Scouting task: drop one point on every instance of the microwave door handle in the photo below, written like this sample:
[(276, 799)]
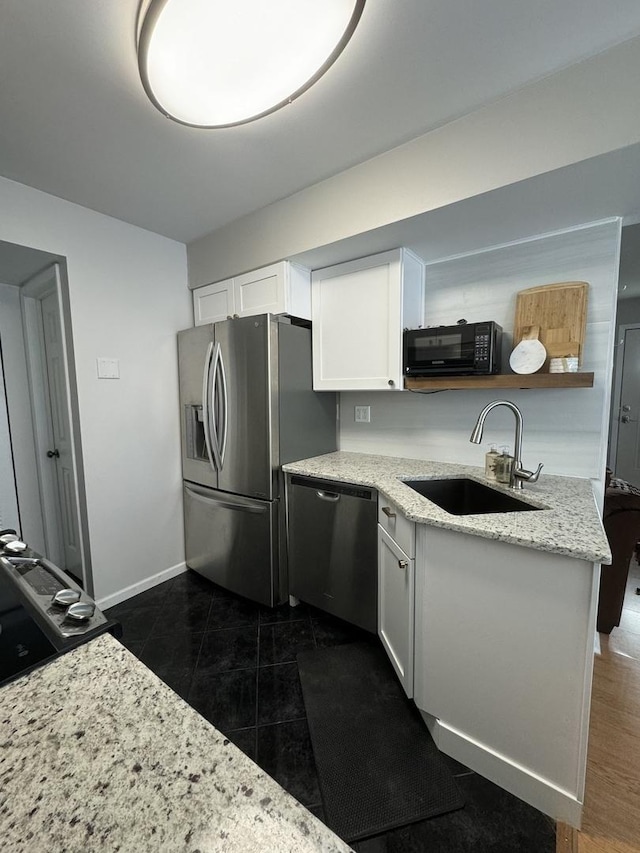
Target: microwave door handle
[(213, 416), (206, 404), (225, 407)]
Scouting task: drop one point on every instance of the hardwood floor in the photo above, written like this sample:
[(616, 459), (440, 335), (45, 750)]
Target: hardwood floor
[(611, 820)]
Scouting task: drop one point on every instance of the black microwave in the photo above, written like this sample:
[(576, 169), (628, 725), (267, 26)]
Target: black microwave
[(468, 348)]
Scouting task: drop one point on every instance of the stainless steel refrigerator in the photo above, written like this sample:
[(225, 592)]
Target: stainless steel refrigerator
[(247, 408)]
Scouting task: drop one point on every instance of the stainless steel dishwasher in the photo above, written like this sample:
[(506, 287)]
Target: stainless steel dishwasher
[(332, 548)]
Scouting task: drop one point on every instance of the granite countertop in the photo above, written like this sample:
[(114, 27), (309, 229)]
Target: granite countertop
[(98, 754), (568, 523)]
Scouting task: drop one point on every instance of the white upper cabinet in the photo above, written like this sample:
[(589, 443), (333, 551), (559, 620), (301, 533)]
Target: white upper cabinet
[(213, 302), (359, 310), (282, 288)]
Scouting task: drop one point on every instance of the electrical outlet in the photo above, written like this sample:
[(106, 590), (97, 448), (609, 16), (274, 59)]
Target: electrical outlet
[(362, 414), (108, 368)]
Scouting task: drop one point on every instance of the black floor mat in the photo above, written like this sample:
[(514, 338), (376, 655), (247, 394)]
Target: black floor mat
[(377, 764)]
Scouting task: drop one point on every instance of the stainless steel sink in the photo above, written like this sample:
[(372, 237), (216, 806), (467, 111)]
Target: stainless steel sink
[(468, 497)]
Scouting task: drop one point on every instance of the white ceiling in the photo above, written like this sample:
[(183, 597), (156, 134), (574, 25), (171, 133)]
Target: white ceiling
[(76, 123)]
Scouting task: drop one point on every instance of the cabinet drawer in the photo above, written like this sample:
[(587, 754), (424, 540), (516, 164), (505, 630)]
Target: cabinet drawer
[(403, 531)]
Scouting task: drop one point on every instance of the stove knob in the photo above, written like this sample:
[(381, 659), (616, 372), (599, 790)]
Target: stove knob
[(65, 597), (15, 546), (8, 536), (81, 611)]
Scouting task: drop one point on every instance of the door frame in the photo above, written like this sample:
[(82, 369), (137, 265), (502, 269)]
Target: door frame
[(53, 280), (617, 391)]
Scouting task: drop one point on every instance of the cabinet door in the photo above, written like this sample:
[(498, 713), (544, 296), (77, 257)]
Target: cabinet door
[(261, 291), (396, 607), (282, 288), (213, 302), (359, 309)]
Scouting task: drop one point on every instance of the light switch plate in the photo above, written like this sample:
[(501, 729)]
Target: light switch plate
[(362, 414), (108, 368)]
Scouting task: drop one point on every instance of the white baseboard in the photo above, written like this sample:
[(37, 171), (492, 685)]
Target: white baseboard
[(540, 793), (141, 586)]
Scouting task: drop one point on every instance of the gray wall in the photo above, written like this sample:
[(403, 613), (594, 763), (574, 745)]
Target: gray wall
[(128, 297), (19, 410), (628, 310), (586, 113)]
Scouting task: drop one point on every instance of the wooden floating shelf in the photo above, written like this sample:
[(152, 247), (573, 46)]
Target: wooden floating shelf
[(506, 380)]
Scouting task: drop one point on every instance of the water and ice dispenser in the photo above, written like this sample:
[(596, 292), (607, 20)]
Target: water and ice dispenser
[(196, 445)]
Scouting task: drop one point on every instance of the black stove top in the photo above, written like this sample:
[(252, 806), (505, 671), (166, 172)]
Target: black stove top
[(33, 627), (23, 645)]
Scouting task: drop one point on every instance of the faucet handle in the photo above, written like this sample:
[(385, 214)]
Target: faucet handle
[(528, 476)]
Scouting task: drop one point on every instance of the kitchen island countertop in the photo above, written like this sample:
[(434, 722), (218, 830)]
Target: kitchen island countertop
[(99, 754), (568, 522)]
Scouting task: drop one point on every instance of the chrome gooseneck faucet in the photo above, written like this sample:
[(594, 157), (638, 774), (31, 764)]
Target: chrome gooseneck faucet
[(518, 473)]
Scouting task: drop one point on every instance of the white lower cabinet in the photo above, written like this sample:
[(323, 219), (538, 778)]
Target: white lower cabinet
[(504, 655), (494, 643), (396, 578), (282, 288)]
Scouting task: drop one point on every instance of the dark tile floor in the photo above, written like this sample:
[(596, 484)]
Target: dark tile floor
[(235, 663)]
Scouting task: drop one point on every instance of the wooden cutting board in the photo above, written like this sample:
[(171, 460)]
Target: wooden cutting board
[(560, 312)]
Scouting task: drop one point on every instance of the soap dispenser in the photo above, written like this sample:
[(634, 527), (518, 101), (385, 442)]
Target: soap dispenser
[(504, 464), (490, 462)]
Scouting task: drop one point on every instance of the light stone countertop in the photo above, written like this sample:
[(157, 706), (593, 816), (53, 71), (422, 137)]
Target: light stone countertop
[(96, 753), (569, 524)]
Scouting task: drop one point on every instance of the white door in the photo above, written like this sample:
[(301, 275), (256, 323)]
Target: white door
[(60, 455), (628, 444)]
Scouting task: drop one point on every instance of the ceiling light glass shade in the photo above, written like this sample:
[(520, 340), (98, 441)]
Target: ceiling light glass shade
[(218, 63)]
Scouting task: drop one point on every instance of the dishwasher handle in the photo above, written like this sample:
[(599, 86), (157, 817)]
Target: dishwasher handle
[(332, 489), (328, 496)]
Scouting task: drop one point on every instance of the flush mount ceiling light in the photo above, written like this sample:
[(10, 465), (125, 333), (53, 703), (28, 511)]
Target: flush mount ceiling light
[(219, 63)]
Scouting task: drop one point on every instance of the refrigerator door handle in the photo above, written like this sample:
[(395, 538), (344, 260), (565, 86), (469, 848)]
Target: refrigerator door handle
[(204, 498), (225, 406), (207, 399), (215, 427)]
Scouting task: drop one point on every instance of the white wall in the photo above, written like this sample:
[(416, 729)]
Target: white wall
[(564, 429), (19, 406), (578, 113), (8, 494), (128, 296)]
